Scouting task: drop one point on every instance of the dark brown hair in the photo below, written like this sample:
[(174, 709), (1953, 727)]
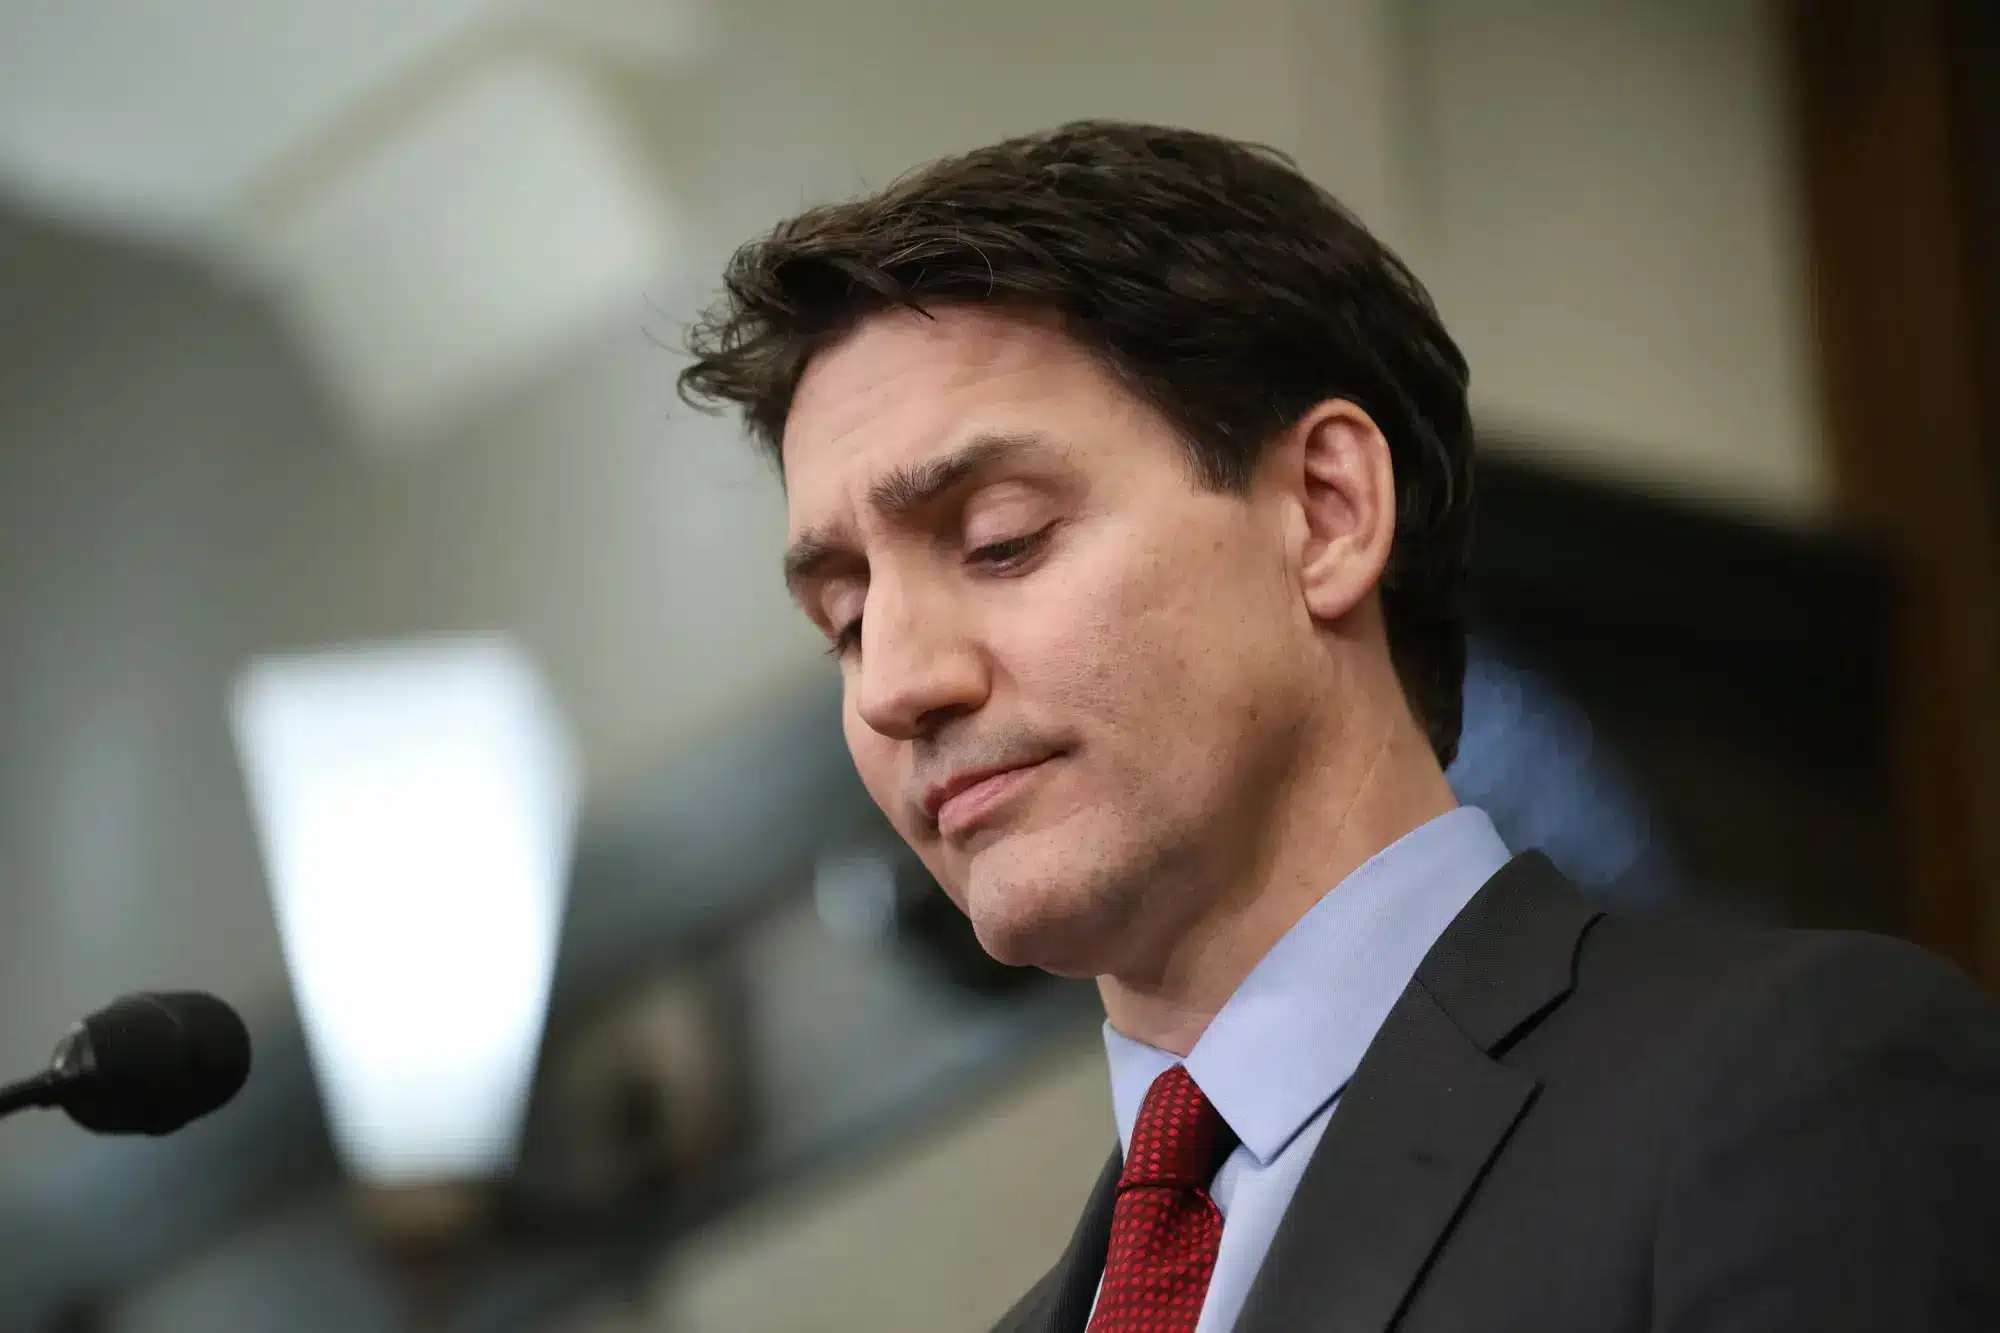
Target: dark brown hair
[(1209, 275)]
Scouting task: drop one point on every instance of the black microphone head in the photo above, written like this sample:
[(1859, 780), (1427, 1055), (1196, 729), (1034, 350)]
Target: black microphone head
[(151, 1062)]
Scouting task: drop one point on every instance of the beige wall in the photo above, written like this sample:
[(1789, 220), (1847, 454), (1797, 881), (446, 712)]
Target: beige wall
[(1602, 196)]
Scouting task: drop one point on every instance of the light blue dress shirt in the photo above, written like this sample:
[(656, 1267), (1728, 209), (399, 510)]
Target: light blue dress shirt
[(1275, 1059)]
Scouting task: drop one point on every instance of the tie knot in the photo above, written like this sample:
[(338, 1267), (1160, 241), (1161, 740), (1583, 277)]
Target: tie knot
[(1180, 1138)]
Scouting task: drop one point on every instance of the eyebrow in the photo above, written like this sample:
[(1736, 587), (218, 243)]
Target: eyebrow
[(906, 490)]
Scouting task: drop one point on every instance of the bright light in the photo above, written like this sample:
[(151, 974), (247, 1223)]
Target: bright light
[(415, 803)]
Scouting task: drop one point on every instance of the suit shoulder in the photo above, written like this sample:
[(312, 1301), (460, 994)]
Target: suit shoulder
[(1744, 963), (1826, 1141), (1877, 973), (1719, 989)]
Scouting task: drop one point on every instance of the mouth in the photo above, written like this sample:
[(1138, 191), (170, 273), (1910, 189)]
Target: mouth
[(967, 800)]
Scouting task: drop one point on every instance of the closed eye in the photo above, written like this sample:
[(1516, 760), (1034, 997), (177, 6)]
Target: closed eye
[(845, 639), (1004, 555), (1000, 557)]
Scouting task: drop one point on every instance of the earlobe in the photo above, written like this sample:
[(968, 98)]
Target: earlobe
[(1348, 496)]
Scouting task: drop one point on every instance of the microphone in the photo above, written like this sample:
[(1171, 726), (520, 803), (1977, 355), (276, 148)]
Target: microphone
[(145, 1064)]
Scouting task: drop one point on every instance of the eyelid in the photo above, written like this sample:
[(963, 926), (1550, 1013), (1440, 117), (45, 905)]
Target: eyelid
[(837, 615), (1008, 505), (844, 637), (1008, 549)]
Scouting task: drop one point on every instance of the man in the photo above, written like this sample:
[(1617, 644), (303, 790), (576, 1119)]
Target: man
[(1129, 479)]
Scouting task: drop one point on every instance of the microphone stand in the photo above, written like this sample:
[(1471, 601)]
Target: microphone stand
[(74, 1061), (44, 1089)]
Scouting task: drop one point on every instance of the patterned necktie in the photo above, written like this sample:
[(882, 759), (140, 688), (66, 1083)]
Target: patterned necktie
[(1165, 1229)]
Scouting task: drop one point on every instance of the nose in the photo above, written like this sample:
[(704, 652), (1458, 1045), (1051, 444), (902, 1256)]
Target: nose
[(918, 667)]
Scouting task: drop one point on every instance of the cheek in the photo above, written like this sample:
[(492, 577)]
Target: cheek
[(1172, 648), (875, 760), (1114, 643)]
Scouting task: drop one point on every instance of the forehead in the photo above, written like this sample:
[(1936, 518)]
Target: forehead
[(903, 387)]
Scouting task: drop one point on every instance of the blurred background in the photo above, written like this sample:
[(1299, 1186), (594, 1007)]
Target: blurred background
[(383, 648)]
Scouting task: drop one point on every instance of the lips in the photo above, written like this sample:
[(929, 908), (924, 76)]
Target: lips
[(967, 795), (938, 793)]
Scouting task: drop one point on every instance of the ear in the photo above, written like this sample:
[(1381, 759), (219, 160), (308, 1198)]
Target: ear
[(1346, 490)]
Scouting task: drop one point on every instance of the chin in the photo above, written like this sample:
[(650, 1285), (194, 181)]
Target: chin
[(1030, 913)]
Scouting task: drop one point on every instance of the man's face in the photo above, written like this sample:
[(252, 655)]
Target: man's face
[(1074, 677)]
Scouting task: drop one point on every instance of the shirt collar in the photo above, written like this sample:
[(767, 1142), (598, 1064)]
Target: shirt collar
[(1289, 1039)]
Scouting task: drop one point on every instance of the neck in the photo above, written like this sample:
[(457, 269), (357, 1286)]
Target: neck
[(1335, 813)]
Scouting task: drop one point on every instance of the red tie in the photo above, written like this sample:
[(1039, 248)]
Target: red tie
[(1165, 1228)]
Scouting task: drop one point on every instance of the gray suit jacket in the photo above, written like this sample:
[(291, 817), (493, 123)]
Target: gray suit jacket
[(1574, 1123)]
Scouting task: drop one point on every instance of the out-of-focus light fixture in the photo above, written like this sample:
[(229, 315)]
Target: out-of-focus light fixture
[(442, 197), (512, 212), (415, 804)]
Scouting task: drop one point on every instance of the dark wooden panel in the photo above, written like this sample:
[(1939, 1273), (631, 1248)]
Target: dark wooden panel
[(1895, 116)]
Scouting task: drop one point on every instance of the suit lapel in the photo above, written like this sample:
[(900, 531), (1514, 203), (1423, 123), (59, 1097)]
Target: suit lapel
[(1061, 1301), (1426, 1111)]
